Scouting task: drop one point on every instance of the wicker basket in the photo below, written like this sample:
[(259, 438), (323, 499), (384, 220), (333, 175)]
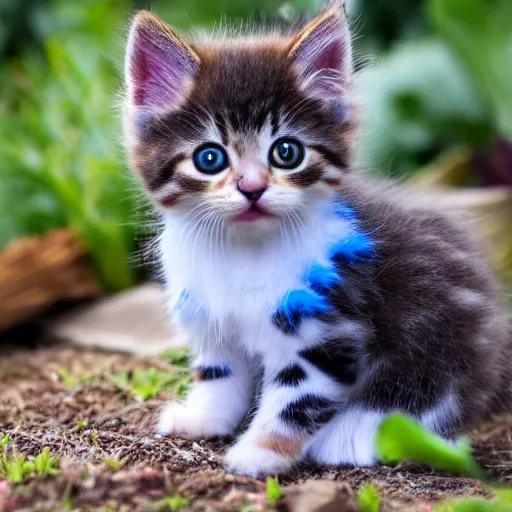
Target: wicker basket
[(38, 272)]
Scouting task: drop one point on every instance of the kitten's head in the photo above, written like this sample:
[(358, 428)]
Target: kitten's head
[(251, 131)]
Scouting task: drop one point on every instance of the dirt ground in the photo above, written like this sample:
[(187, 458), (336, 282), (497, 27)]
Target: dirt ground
[(89, 425)]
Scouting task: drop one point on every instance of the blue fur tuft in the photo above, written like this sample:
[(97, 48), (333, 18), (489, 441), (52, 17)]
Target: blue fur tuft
[(344, 211), (322, 277), (354, 247), (302, 303)]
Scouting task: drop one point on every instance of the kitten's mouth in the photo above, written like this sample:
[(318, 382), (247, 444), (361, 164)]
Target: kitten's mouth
[(253, 213)]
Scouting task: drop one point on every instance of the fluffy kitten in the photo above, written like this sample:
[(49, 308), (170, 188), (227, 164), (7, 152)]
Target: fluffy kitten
[(280, 258)]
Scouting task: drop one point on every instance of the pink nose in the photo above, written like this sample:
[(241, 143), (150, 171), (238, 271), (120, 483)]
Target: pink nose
[(253, 182)]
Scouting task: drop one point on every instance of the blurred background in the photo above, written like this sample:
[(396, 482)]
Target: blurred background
[(435, 77)]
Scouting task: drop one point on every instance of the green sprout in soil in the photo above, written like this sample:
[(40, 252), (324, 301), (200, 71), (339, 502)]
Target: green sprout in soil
[(176, 356), (94, 439), (274, 491), (46, 464), (70, 381), (16, 467), (368, 498), (5, 440), (80, 425), (174, 503), (143, 384), (114, 464)]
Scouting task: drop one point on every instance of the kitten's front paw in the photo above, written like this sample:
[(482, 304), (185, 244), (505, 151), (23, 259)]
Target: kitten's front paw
[(251, 460), (179, 420)]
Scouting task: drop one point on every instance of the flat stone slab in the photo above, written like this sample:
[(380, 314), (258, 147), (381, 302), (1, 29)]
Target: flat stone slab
[(134, 321)]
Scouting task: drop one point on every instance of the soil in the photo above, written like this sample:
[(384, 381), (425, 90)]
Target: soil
[(90, 425)]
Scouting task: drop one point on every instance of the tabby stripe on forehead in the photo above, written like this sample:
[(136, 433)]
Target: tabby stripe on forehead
[(274, 121), (338, 160), (307, 177), (157, 176), (220, 123), (190, 185)]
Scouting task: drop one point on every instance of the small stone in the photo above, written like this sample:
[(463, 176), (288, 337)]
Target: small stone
[(320, 496)]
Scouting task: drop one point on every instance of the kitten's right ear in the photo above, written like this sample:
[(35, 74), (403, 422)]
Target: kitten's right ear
[(159, 64), (322, 51)]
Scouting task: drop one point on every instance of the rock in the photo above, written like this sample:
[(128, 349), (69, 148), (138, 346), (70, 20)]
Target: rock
[(134, 322), (320, 496)]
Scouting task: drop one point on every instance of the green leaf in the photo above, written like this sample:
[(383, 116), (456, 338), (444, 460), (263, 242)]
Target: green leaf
[(473, 505), (175, 503), (400, 438), (5, 440), (176, 356), (274, 490), (479, 31), (503, 494), (368, 498)]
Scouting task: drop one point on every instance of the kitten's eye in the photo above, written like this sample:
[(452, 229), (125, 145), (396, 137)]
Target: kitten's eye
[(210, 158), (286, 154)]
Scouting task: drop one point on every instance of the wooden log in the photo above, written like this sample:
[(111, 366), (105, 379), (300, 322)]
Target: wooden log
[(40, 271)]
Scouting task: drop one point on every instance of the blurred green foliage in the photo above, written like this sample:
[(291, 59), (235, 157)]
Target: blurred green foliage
[(441, 79), (60, 160), (448, 87)]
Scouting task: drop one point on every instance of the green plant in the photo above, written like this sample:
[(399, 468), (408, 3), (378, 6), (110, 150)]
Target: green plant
[(46, 464), (176, 356), (143, 384), (71, 381), (400, 438), (114, 464), (59, 148), (274, 490), (479, 33), (174, 503), (368, 498), (16, 467), (5, 440)]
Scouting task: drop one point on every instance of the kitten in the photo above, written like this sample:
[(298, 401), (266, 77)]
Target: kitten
[(280, 257)]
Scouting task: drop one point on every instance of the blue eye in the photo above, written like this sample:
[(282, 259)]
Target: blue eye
[(210, 158), (286, 154)]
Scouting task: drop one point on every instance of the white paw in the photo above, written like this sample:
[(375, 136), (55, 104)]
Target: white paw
[(179, 420), (246, 458)]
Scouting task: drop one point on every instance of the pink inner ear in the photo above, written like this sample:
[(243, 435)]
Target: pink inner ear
[(159, 68), (324, 58)]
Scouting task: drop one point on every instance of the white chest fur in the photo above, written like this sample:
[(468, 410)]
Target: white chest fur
[(238, 287)]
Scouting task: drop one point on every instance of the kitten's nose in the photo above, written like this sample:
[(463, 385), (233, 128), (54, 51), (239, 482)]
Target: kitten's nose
[(254, 181), (254, 195)]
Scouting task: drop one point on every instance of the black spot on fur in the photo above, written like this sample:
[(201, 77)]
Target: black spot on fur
[(213, 372), (309, 412), (285, 324), (291, 375), (334, 359)]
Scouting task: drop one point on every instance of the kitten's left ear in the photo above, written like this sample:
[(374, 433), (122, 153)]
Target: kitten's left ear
[(322, 52)]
